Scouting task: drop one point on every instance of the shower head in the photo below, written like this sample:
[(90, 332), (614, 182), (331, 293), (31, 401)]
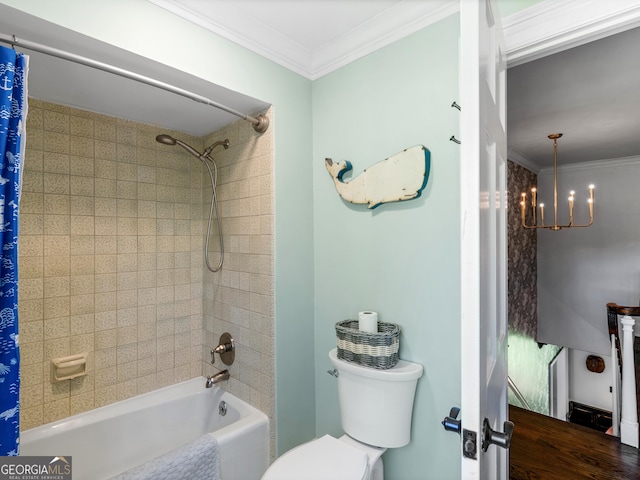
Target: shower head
[(166, 139), (203, 157), (169, 140), (224, 143)]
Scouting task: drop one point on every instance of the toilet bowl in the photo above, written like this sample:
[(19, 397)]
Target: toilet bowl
[(329, 458), (375, 411)]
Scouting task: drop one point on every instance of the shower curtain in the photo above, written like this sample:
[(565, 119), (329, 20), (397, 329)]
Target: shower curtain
[(13, 114)]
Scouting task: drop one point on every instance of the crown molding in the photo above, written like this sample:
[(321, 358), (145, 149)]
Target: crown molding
[(523, 161), (246, 32), (545, 28), (595, 164), (556, 25), (396, 22), (393, 24)]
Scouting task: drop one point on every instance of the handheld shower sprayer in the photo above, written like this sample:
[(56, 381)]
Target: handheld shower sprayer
[(203, 157), (169, 140), (166, 139)]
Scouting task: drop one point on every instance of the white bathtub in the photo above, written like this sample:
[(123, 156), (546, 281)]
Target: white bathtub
[(111, 439)]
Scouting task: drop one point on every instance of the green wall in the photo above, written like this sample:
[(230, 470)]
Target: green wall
[(401, 259), (142, 28)]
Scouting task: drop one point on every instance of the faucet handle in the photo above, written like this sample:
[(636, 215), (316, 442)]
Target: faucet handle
[(226, 349)]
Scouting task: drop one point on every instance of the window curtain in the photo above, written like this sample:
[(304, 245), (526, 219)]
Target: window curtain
[(13, 115)]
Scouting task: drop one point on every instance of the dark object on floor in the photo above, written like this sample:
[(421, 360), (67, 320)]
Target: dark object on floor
[(589, 416)]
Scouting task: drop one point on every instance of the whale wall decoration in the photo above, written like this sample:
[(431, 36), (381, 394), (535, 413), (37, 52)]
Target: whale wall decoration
[(400, 177)]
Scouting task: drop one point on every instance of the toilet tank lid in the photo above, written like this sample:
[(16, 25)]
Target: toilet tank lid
[(401, 372)]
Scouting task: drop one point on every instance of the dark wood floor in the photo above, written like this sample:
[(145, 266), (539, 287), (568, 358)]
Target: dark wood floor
[(543, 448)]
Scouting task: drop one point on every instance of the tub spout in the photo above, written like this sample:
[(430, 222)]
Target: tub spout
[(217, 378)]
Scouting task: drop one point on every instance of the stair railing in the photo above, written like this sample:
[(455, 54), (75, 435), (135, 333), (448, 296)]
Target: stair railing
[(626, 360), (516, 391)]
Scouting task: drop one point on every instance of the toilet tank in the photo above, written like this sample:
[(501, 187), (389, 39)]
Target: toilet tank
[(376, 405)]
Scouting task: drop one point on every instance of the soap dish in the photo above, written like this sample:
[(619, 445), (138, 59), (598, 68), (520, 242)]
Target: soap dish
[(66, 368)]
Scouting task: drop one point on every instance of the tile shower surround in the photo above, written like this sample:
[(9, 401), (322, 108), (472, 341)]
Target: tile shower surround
[(111, 261)]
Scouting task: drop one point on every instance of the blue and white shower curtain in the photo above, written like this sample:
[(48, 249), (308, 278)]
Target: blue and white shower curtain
[(13, 115)]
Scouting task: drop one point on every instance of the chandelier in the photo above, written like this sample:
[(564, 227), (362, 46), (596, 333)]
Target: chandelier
[(555, 226)]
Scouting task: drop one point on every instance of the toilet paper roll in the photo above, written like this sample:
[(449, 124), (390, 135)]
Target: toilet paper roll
[(368, 322)]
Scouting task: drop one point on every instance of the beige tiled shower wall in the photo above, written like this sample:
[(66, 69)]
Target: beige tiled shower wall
[(111, 261), (111, 238), (240, 298)]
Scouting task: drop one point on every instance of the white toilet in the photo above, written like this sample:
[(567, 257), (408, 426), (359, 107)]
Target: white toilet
[(375, 409)]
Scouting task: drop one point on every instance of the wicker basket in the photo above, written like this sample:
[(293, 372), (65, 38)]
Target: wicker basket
[(376, 350)]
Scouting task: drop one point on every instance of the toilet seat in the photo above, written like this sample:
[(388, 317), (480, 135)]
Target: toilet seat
[(326, 458)]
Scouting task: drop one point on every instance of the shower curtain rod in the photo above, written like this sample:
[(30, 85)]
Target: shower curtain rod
[(260, 123)]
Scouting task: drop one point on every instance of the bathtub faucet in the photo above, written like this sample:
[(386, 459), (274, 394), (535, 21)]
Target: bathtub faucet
[(217, 378)]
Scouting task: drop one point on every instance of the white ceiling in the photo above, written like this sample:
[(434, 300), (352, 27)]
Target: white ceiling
[(590, 93)]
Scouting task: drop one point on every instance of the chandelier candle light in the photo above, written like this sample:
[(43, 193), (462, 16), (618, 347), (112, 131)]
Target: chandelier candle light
[(555, 226)]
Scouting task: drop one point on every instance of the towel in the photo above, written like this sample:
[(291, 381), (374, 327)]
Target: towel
[(198, 460)]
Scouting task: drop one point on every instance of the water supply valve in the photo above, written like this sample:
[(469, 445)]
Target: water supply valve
[(226, 348)]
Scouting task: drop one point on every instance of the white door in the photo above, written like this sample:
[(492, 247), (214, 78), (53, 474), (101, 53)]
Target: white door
[(483, 231)]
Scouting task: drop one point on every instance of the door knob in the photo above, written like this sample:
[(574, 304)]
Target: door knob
[(451, 423), (490, 436)]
